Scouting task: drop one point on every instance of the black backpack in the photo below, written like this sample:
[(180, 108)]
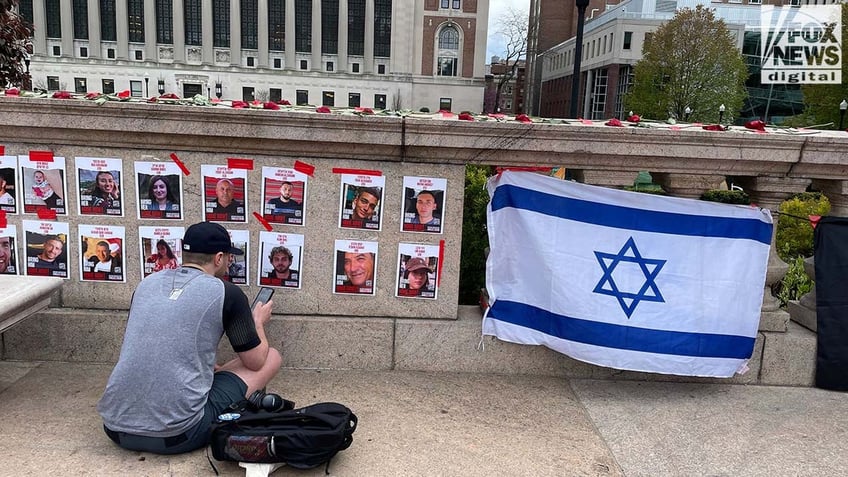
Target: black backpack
[(301, 438)]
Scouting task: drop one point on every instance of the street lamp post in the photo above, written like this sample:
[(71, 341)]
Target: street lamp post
[(578, 54), (219, 89), (720, 113), (842, 107), (26, 84), (686, 113), (161, 86), (146, 85)]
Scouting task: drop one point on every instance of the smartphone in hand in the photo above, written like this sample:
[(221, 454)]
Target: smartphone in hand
[(264, 296)]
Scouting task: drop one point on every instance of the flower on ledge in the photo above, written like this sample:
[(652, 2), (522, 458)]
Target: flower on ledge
[(714, 127), (634, 118), (364, 110), (270, 105), (62, 95), (614, 122), (523, 118), (237, 104), (322, 109), (756, 125), (13, 92), (284, 102), (93, 95), (466, 117), (125, 94)]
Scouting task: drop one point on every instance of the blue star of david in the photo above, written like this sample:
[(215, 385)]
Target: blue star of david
[(649, 267)]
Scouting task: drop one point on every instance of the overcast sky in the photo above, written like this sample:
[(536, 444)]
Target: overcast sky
[(496, 9)]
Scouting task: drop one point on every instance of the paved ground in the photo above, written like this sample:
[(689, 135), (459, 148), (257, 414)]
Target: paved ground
[(442, 424)]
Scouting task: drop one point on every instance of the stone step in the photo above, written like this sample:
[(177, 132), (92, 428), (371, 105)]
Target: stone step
[(320, 342)]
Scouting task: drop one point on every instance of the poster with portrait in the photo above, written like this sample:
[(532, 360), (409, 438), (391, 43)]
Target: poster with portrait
[(361, 201), (237, 270), (43, 182), (283, 196), (8, 250), (160, 190), (102, 254), (8, 184), (423, 199), (224, 194), (99, 182), (355, 267), (46, 245), (161, 248), (418, 267), (280, 259)]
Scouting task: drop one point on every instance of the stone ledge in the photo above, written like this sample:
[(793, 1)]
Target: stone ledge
[(789, 359), (802, 315)]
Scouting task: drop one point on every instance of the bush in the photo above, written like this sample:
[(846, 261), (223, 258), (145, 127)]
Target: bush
[(795, 284), (475, 238), (726, 197), (794, 232)]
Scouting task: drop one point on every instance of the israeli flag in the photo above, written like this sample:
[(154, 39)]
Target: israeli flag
[(623, 279)]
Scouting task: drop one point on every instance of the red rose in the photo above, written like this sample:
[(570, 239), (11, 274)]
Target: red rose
[(614, 122), (13, 92), (364, 110), (466, 117), (92, 95), (284, 102), (270, 105), (125, 94), (239, 104), (62, 95), (756, 125), (714, 127), (322, 109), (169, 96), (523, 118), (634, 118)]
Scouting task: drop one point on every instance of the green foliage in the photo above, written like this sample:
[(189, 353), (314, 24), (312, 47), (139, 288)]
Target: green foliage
[(14, 33), (795, 284), (690, 61), (821, 101), (726, 196), (475, 238), (794, 232)]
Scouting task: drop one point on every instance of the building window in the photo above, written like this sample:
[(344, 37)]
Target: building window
[(304, 65), (445, 104), (247, 94), (625, 79), (80, 10), (302, 97), (164, 22), (57, 50), (83, 52), (353, 100), (380, 101), (135, 89), (135, 18), (139, 55), (628, 38), (354, 67), (191, 90), (221, 23), (25, 9), (53, 83), (382, 28), (54, 19), (110, 53), (330, 66), (278, 63), (193, 22), (448, 51), (108, 86), (107, 20), (454, 4), (381, 69), (599, 94), (328, 98), (277, 25), (251, 61), (356, 27), (276, 95), (303, 26), (249, 24), (329, 27), (79, 85)]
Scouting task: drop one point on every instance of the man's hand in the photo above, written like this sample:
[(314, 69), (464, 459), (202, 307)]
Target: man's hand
[(262, 313)]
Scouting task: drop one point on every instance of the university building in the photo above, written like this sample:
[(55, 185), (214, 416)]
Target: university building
[(403, 54)]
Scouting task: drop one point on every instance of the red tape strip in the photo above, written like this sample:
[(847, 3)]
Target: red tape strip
[(359, 172), (441, 262), (305, 168), (239, 163), (2, 150), (46, 214), (180, 163), (3, 222), (262, 221), (41, 156)]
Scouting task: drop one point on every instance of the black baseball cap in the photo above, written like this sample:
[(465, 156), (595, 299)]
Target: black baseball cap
[(208, 237)]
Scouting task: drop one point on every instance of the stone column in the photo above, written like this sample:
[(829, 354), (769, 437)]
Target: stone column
[(67, 12), (368, 67), (291, 56), (207, 35), (179, 32), (262, 38), (122, 30), (768, 193), (93, 28), (837, 194), (341, 67), (151, 52), (317, 64), (39, 33), (687, 185), (235, 32)]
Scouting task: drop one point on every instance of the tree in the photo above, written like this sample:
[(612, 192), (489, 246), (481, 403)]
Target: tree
[(14, 34), (690, 61), (821, 101), (512, 29)]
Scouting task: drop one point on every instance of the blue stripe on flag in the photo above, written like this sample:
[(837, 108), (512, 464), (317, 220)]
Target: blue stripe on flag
[(612, 336), (629, 218)]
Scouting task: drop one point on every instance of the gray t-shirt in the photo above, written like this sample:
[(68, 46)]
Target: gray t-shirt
[(165, 370)]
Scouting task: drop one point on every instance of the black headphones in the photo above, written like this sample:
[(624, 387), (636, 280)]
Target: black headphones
[(270, 402)]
